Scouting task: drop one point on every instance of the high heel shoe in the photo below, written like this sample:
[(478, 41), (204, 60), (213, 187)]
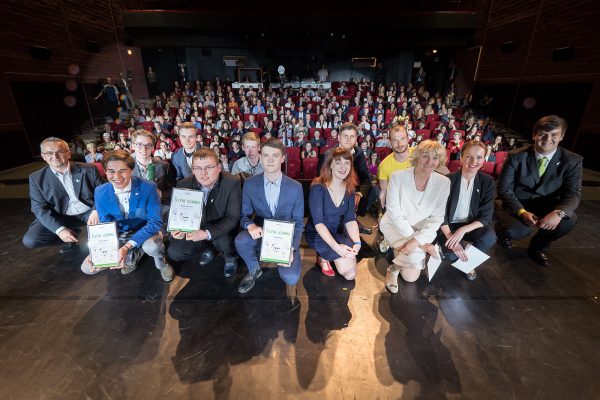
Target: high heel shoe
[(391, 280), (325, 267)]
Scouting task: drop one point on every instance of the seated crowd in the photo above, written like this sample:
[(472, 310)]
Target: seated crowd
[(186, 141)]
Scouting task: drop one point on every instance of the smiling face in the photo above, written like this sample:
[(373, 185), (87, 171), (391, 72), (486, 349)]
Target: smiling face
[(206, 170), (546, 142), (340, 168), (472, 159), (118, 174), (427, 162), (56, 154), (188, 136)]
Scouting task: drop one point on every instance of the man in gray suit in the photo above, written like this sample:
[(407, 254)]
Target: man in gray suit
[(540, 186), (62, 198)]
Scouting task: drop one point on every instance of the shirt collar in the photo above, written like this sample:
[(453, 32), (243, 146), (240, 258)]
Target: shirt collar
[(66, 173), (548, 156), (277, 181), (127, 189)]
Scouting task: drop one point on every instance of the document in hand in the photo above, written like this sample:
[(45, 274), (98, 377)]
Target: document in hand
[(434, 263), (185, 213), (103, 243), (277, 241), (476, 258)]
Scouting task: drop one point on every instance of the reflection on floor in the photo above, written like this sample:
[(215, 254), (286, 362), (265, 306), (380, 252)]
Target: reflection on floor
[(518, 331)]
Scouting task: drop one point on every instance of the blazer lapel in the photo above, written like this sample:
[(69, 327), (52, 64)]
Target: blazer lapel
[(532, 165), (454, 196), (134, 196), (261, 194), (475, 196), (77, 176)]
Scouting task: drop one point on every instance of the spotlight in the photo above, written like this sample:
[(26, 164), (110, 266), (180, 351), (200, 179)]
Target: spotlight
[(331, 34), (129, 52), (434, 51)]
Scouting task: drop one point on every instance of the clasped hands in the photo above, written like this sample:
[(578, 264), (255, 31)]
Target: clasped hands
[(549, 222), (412, 245), (195, 236), (346, 251)]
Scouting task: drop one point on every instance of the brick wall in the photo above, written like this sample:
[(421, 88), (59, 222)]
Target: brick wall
[(64, 26)]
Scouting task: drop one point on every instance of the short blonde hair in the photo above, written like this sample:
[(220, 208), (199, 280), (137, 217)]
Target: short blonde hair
[(429, 146)]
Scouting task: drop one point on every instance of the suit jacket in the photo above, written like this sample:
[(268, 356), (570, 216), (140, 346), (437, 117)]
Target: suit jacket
[(221, 213), (163, 177), (482, 198), (412, 218), (144, 209), (178, 160), (520, 185), (290, 206), (49, 199)]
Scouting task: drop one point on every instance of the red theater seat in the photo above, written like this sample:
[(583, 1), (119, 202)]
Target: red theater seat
[(382, 152), (454, 165), (292, 153), (425, 132), (309, 167), (488, 168)]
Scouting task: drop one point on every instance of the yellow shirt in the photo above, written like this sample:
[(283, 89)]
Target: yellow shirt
[(390, 165)]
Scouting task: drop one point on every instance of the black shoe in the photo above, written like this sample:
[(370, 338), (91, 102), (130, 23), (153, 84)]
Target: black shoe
[(206, 257), (364, 230), (65, 248), (506, 243), (539, 257), (230, 268), (248, 281)]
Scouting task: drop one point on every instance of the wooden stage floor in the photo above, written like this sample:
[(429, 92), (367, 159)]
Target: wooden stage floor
[(519, 331)]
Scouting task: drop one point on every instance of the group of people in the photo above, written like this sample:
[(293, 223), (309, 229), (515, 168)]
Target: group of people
[(539, 188)]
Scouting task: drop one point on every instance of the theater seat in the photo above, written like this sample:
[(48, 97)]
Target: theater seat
[(292, 153), (100, 169), (454, 165), (501, 156), (293, 168), (309, 167), (488, 168), (425, 132), (498, 169), (382, 152)]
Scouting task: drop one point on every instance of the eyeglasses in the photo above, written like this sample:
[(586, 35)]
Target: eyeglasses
[(141, 146), (204, 169), (54, 153)]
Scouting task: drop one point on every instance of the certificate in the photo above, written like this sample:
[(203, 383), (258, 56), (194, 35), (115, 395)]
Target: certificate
[(434, 263), (277, 241), (104, 245), (476, 258), (185, 213)]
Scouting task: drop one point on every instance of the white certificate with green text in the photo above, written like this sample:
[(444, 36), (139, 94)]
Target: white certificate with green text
[(185, 214), (277, 239), (103, 243)]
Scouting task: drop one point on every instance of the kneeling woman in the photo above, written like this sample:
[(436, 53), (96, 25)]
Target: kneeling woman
[(332, 229), (415, 206), (470, 207), (135, 206)]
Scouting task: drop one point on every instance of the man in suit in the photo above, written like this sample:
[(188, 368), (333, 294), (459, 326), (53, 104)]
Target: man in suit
[(182, 158), (220, 216), (540, 186), (134, 205), (151, 168), (62, 198), (270, 195)]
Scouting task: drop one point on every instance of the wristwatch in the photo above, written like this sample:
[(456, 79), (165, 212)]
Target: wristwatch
[(561, 214)]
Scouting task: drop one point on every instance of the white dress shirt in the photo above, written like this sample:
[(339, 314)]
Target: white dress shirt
[(461, 214), (75, 206)]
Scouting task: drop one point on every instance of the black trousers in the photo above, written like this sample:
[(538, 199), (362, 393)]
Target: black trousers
[(183, 250), (38, 235), (511, 226), (483, 238)]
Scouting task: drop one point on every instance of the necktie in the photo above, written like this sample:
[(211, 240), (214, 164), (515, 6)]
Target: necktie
[(542, 164)]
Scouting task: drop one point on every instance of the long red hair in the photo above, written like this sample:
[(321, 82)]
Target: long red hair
[(326, 176)]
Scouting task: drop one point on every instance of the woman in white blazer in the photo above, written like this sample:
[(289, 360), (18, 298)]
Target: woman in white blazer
[(415, 207)]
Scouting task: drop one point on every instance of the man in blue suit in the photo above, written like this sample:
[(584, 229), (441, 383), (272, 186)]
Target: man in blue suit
[(182, 158), (133, 203), (270, 195)]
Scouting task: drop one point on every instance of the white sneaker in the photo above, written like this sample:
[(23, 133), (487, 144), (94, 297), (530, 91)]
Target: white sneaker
[(128, 269), (167, 273), (383, 246), (391, 280)]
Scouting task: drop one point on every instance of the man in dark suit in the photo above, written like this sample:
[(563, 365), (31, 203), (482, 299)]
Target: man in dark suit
[(347, 139), (182, 158), (62, 197), (220, 216), (270, 195), (540, 186), (151, 168)]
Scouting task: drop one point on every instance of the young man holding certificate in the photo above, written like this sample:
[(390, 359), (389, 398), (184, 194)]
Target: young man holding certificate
[(134, 205), (271, 196), (219, 217)]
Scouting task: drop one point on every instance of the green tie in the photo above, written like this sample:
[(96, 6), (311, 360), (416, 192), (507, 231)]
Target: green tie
[(542, 164)]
